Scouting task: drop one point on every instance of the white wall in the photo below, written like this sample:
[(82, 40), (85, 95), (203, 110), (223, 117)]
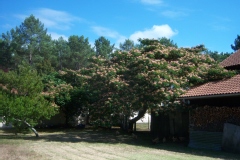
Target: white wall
[(2, 125), (145, 119)]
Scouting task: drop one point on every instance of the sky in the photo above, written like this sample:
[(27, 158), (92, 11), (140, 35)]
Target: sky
[(214, 23)]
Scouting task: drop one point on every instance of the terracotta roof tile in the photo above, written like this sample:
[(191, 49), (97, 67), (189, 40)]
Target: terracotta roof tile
[(232, 60), (227, 86)]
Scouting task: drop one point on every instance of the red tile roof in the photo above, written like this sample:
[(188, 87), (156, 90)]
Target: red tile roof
[(227, 86), (232, 60)]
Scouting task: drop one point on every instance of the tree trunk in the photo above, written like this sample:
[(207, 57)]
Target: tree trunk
[(141, 113), (34, 130), (124, 123), (77, 66), (30, 58), (67, 119)]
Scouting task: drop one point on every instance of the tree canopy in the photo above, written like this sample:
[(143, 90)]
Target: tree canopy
[(167, 42), (219, 57), (127, 45), (110, 86), (21, 99), (29, 41), (103, 47), (60, 88), (150, 78), (236, 44), (81, 50)]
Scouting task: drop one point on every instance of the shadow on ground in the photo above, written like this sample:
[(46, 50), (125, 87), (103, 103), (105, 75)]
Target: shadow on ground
[(114, 136)]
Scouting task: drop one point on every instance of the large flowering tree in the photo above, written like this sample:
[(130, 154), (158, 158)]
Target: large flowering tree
[(152, 77)]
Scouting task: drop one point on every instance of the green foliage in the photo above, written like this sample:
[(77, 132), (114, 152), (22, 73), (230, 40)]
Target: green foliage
[(143, 79), (103, 47), (21, 98), (167, 42), (6, 57), (81, 51), (62, 52), (219, 57), (44, 67), (69, 99), (236, 44), (217, 73), (174, 55), (110, 86), (29, 41), (127, 45)]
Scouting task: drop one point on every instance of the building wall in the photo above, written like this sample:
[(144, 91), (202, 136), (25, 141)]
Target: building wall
[(221, 101), (207, 122), (231, 138), (205, 140), (170, 124), (3, 125), (145, 119), (57, 120)]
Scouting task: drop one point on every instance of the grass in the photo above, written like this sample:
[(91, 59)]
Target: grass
[(99, 144), (143, 127)]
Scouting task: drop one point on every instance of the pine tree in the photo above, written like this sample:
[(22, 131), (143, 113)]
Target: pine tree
[(21, 100)]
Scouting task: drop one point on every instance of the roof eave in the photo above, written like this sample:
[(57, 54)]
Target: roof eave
[(211, 96)]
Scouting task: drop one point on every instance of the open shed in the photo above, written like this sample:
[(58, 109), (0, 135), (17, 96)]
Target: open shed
[(214, 104)]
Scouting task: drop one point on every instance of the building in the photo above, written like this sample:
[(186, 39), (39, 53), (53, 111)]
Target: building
[(215, 104)]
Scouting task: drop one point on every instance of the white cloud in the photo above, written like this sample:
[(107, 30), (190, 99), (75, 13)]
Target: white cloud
[(173, 14), (220, 23), (157, 31), (120, 39), (106, 32), (55, 19), (92, 43), (7, 26), (55, 36), (151, 2), (220, 27), (20, 16)]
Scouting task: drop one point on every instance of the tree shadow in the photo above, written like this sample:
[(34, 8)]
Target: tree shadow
[(114, 136)]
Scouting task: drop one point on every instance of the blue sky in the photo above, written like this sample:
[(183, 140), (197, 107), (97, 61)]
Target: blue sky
[(214, 23)]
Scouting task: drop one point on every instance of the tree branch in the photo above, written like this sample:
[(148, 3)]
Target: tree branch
[(141, 113)]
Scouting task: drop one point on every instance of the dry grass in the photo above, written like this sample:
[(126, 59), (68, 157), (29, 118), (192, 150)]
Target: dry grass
[(99, 144), (143, 127)]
